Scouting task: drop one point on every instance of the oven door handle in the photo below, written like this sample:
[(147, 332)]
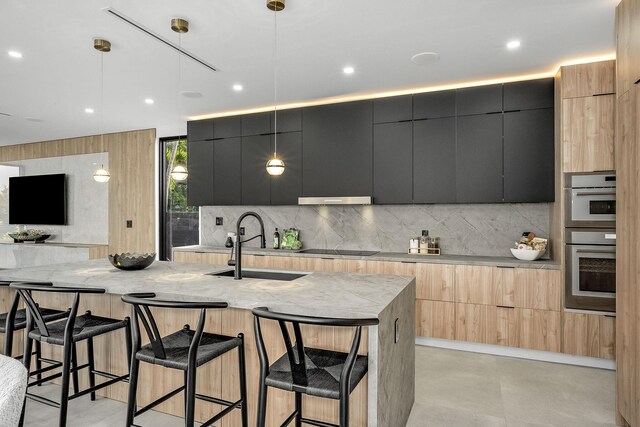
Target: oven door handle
[(594, 251), (595, 193)]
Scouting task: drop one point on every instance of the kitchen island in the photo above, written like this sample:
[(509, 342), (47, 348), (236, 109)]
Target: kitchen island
[(384, 398)]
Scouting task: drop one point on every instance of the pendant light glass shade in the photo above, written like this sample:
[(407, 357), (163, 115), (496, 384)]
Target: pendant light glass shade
[(275, 167), (101, 174), (179, 173)]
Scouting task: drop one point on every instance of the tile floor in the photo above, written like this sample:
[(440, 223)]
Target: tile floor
[(453, 388)]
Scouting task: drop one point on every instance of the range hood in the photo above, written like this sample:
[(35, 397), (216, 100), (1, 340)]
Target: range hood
[(351, 200)]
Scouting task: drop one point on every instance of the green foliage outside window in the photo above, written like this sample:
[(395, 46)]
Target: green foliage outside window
[(176, 154)]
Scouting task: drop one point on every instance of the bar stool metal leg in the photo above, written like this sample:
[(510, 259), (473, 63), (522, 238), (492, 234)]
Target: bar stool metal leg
[(133, 387), (190, 392), (243, 382), (66, 370), (298, 409), (92, 367), (38, 360), (262, 403), (74, 364)]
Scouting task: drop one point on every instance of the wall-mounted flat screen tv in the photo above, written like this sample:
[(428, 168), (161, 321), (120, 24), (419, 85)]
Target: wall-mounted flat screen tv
[(38, 199)]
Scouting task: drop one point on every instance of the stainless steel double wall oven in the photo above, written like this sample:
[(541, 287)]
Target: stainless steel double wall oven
[(590, 241)]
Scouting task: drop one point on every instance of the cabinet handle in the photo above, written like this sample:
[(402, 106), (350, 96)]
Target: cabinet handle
[(637, 81), (610, 315), (512, 111), (504, 306), (200, 252), (504, 266), (604, 94), (330, 259), (258, 255), (407, 262)]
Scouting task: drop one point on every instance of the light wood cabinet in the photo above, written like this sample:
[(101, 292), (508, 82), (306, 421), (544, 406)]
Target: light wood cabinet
[(435, 281), (534, 288), (627, 252), (514, 327), (481, 285), (588, 133), (588, 335), (435, 319), (595, 78), (627, 45)]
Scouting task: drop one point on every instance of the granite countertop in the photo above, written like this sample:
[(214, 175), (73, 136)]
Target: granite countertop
[(491, 261), (318, 293)]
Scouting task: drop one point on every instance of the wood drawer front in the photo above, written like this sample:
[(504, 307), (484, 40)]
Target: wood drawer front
[(589, 335), (435, 282), (394, 268), (482, 285), (435, 319), (534, 288), (189, 257), (514, 327)]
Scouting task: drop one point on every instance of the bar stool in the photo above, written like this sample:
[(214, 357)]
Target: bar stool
[(322, 373), (184, 350), (67, 333), (16, 319)]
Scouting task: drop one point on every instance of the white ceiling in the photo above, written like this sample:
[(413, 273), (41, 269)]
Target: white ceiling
[(58, 77)]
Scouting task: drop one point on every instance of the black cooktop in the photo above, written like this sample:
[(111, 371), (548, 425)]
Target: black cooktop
[(338, 252)]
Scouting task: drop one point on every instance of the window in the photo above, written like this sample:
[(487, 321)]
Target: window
[(179, 222)]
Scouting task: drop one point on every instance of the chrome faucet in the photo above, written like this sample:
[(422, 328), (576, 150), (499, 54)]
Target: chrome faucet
[(237, 263)]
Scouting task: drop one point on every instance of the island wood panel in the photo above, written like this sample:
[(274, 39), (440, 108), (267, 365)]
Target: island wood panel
[(218, 378), (132, 183), (435, 319), (628, 253), (98, 252), (589, 335), (588, 134), (594, 78)]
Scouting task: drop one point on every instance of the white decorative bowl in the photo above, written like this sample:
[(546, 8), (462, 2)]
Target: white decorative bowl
[(527, 255)]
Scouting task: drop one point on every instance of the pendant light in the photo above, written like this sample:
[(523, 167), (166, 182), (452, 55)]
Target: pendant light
[(275, 166), (180, 26), (103, 46)]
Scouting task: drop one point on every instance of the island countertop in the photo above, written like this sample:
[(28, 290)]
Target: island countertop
[(318, 293)]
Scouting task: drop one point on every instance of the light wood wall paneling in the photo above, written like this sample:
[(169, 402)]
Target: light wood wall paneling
[(627, 45), (556, 213), (132, 183), (588, 133), (590, 79)]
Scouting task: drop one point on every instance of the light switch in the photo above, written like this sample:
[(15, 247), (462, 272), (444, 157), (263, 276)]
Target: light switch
[(129, 223)]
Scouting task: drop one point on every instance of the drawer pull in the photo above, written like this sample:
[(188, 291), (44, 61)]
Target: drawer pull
[(504, 306), (407, 262), (505, 266), (604, 94), (637, 81)]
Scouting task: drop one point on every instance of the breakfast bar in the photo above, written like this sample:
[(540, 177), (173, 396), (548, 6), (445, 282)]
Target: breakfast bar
[(384, 397)]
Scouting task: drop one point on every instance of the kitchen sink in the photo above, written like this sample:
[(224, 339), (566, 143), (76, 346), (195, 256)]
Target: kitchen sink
[(261, 274)]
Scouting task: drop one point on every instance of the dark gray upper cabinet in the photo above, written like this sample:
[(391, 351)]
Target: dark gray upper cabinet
[(337, 149), (288, 120), (256, 150), (479, 159), (392, 160), (200, 130), (393, 109), (479, 100), (434, 105), (529, 156), (434, 161), (286, 188), (227, 171), (256, 124), (200, 166), (227, 127), (529, 95)]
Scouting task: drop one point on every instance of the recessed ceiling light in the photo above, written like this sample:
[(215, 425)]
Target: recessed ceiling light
[(237, 88), (88, 110), (425, 58), (15, 54), (513, 44), (348, 70), (149, 101)]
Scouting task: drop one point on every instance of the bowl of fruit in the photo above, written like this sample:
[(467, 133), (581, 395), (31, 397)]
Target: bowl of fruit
[(530, 247)]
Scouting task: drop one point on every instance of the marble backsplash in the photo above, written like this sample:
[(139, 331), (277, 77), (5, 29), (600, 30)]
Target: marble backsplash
[(477, 229)]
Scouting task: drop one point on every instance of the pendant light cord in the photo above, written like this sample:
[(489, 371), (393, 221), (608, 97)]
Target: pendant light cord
[(179, 81), (275, 83), (102, 109)]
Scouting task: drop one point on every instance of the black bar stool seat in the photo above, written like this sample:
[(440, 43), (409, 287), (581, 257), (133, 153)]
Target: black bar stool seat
[(20, 321), (324, 368), (85, 326), (176, 347)]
